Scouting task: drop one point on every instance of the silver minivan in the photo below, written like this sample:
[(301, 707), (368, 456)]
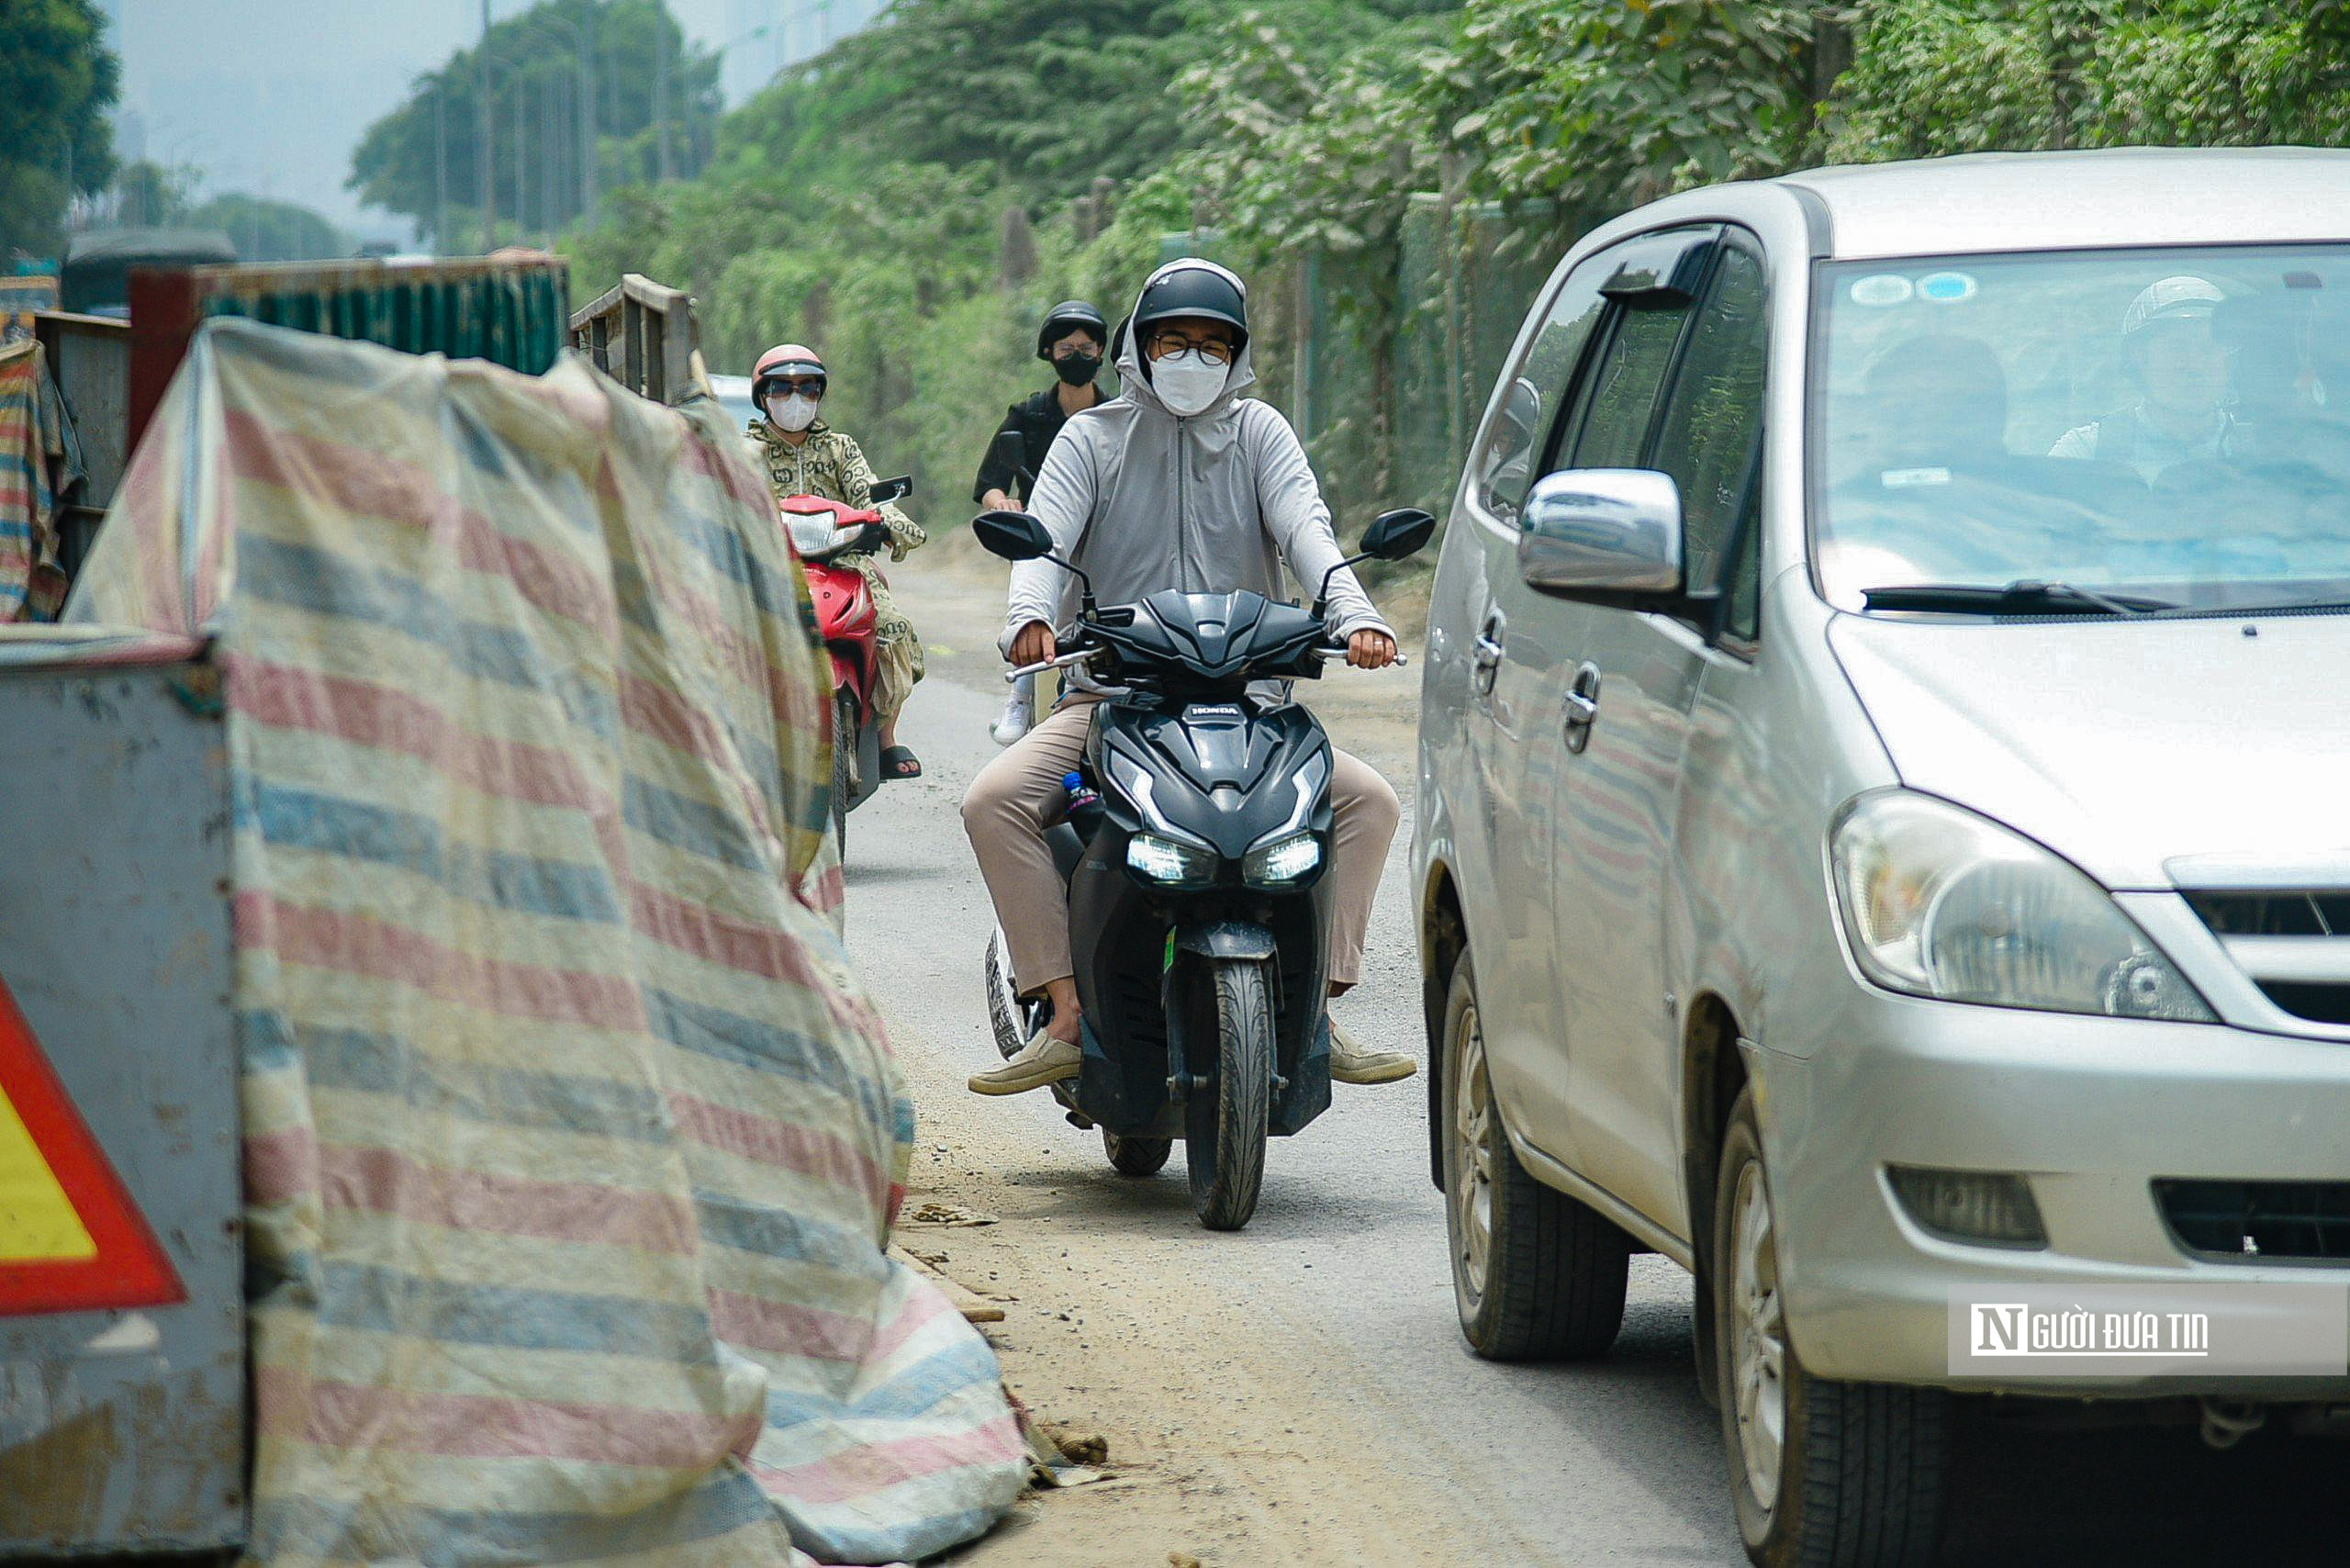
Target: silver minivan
[(1884, 804)]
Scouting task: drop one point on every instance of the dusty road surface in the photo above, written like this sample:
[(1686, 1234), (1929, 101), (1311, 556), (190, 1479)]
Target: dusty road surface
[(1298, 1393)]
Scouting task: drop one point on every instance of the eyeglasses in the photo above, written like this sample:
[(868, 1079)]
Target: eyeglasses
[(1215, 351), (795, 388), (1077, 350)]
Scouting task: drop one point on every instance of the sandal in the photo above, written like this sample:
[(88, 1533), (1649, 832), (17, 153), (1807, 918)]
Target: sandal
[(899, 762)]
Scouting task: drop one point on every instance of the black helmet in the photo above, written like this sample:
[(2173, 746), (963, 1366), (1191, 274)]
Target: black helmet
[(1194, 288), (1066, 318)]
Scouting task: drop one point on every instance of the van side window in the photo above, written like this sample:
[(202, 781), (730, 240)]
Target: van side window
[(1707, 437), (1623, 388), (1512, 447)]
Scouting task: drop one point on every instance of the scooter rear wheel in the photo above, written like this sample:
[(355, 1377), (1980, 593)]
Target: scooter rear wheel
[(1228, 1002), (1137, 1156)]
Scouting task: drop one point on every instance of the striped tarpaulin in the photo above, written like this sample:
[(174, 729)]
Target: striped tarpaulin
[(571, 1142), (30, 583)]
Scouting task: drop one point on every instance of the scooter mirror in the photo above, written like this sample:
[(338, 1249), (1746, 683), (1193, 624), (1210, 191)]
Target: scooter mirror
[(884, 491), (1011, 451), (1393, 535), (1013, 535)]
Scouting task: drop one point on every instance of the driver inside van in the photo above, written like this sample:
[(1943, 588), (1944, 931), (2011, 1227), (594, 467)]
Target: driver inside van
[(2183, 412)]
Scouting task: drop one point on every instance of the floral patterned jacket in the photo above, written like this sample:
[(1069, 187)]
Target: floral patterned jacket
[(828, 463)]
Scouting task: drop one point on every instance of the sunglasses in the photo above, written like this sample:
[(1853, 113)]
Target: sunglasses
[(799, 388)]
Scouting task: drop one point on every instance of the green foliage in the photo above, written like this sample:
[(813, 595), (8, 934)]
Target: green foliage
[(57, 80), (527, 75), (1977, 75), (148, 193), (267, 230)]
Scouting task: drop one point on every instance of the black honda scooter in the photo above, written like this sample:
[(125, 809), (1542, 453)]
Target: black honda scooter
[(1198, 886)]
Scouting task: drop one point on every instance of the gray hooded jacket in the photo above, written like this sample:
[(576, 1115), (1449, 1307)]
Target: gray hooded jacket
[(1215, 503)]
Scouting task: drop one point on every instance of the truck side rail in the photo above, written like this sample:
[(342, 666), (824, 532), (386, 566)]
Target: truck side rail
[(642, 334)]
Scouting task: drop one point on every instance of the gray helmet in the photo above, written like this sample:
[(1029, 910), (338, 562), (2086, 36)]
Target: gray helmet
[(1068, 317)]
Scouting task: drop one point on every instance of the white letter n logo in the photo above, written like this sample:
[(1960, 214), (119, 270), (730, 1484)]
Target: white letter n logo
[(1998, 1328)]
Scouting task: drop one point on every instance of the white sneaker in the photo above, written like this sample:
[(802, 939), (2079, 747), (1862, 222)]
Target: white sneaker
[(1041, 1062), (1349, 1063), (1014, 722)]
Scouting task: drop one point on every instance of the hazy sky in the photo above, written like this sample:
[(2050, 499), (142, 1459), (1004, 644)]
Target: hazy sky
[(271, 96)]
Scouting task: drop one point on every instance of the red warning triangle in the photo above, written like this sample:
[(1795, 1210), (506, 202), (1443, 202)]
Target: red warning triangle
[(70, 1240)]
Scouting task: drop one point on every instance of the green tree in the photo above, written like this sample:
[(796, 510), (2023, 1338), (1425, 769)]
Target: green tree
[(527, 76), (58, 80), (267, 230)]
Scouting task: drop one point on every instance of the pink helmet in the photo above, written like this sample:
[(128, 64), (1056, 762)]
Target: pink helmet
[(785, 359)]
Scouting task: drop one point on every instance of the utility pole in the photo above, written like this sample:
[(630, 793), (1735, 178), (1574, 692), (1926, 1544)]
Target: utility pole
[(485, 137), (665, 169), (441, 164), (586, 41)]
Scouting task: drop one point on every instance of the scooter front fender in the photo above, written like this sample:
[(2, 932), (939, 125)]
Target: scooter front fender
[(1225, 940)]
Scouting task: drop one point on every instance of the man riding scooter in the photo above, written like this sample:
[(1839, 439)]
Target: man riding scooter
[(1183, 483), (805, 456), (1071, 341)]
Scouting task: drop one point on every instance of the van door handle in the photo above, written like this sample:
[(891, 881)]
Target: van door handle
[(1485, 656), (1583, 707)]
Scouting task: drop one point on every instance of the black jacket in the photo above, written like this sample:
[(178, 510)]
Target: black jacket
[(1038, 419)]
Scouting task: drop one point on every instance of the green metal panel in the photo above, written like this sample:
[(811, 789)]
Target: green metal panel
[(513, 313)]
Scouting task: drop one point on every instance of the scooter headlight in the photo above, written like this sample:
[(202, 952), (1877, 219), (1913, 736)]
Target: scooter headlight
[(1282, 862), (1164, 861), (811, 536)]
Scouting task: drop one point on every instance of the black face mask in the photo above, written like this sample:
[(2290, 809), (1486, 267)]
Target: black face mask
[(1077, 369)]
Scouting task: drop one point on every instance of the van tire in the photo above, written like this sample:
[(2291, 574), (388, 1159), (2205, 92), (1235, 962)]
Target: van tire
[(1862, 1473), (1547, 1280)]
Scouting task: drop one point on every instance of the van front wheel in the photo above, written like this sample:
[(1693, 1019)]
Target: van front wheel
[(1824, 1474)]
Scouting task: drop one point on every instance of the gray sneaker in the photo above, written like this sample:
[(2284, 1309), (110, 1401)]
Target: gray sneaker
[(1042, 1060), (1349, 1063), (1014, 721)]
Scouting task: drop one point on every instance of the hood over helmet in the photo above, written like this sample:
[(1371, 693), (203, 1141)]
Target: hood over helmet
[(1190, 287)]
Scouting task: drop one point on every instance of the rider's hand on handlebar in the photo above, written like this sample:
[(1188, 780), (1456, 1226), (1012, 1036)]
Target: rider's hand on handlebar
[(1033, 645), (1371, 650)]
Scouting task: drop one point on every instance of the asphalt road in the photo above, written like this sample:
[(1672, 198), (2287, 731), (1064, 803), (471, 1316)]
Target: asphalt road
[(1311, 1363)]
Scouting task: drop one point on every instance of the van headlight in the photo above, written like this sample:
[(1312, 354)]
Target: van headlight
[(1941, 903), (1284, 861), (1163, 860)]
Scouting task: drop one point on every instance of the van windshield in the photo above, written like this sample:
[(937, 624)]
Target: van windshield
[(2154, 428)]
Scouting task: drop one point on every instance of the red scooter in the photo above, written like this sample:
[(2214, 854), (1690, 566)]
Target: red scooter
[(822, 532)]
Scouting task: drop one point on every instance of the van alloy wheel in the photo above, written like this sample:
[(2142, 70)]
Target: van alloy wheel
[(1759, 1346), (1472, 1176)]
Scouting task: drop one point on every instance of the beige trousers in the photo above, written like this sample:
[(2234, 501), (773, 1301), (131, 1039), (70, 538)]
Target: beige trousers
[(1014, 797)]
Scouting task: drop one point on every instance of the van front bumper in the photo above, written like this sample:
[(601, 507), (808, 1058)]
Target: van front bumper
[(2090, 1112)]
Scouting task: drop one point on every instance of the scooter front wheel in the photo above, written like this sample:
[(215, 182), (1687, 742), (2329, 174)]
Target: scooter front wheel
[(843, 772), (1229, 1007)]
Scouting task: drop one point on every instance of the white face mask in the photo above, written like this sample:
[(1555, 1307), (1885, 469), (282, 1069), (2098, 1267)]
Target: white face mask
[(1187, 383), (795, 412)]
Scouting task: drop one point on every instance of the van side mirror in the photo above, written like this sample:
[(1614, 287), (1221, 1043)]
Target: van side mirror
[(1012, 535), (1605, 535), (884, 491), (1393, 535)]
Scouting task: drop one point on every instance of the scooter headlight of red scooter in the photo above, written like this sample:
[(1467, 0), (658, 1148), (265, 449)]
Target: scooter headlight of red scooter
[(815, 535)]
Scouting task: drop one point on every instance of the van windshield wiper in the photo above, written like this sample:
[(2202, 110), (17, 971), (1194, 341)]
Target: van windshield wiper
[(2023, 597)]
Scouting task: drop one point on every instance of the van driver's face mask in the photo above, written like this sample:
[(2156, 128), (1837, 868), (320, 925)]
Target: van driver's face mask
[(1187, 382)]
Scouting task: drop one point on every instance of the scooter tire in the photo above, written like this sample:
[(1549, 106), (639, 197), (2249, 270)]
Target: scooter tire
[(1137, 1156), (1229, 1000), (844, 770)]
